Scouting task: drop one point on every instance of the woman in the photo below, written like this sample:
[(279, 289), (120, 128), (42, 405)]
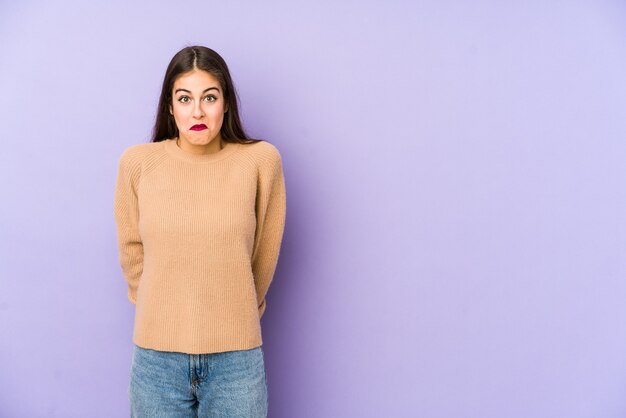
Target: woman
[(200, 213)]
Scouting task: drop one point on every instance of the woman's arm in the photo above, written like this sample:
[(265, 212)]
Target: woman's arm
[(270, 211), (127, 220)]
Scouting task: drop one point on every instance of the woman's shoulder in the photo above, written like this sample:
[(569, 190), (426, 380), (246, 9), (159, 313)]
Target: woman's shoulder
[(264, 151), (142, 148), (138, 152)]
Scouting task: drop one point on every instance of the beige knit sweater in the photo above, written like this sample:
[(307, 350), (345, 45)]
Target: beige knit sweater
[(199, 238)]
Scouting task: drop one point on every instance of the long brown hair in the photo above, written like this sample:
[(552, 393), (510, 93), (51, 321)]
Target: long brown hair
[(202, 58)]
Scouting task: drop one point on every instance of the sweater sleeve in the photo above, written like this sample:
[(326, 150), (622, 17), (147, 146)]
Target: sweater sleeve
[(126, 211), (270, 213)]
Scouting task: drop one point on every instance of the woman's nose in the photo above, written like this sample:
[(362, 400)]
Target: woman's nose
[(197, 110)]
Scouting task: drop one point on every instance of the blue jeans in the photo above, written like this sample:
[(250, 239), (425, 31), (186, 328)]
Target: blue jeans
[(170, 384)]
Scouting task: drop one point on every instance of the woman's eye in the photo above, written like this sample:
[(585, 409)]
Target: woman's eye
[(186, 99)]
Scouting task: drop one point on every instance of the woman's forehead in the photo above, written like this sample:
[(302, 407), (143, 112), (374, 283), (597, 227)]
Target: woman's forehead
[(196, 80)]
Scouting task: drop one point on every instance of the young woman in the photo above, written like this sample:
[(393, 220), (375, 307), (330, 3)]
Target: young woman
[(200, 214)]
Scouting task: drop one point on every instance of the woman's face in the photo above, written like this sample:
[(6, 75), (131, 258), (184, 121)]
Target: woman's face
[(198, 99)]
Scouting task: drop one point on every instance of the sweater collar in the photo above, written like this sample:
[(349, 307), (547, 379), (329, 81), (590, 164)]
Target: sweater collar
[(174, 150)]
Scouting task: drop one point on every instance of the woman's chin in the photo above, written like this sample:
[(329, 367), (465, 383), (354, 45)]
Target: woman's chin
[(199, 140)]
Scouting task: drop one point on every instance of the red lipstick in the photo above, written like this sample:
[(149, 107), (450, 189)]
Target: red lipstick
[(199, 127)]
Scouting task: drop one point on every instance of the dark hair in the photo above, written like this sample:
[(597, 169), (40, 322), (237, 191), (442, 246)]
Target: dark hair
[(202, 58)]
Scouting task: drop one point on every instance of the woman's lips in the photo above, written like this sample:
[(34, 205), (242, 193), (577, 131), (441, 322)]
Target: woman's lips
[(200, 127)]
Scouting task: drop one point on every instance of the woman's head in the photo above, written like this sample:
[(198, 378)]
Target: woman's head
[(192, 71)]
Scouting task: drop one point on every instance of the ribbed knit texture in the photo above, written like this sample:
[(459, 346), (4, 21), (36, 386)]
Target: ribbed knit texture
[(199, 238)]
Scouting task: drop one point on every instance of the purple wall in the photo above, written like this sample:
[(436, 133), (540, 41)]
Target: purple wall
[(456, 230)]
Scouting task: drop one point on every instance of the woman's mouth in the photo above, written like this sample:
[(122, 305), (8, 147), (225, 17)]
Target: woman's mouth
[(199, 127)]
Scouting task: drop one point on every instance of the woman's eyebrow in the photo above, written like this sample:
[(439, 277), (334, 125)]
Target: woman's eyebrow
[(204, 91)]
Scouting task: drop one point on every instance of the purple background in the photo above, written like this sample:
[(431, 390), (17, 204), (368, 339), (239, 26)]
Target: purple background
[(456, 180)]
